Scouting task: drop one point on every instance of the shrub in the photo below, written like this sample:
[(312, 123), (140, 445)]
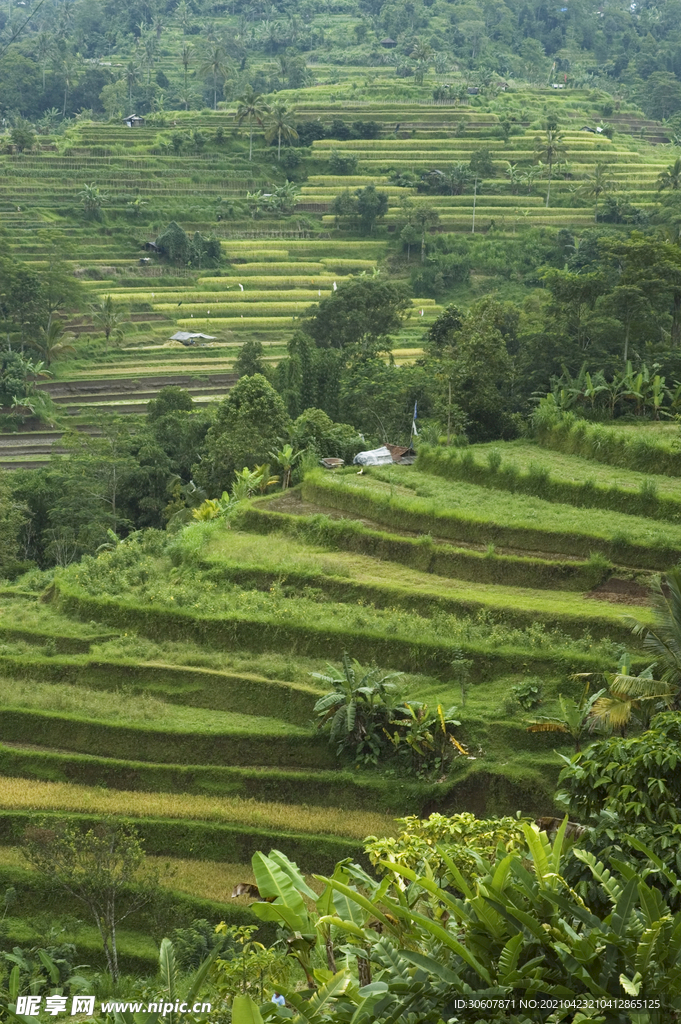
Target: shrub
[(341, 164), (528, 694)]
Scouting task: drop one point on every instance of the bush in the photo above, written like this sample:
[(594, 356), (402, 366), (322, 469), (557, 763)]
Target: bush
[(340, 164)]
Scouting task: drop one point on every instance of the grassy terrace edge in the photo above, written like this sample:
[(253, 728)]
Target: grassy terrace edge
[(391, 511), (199, 840), (423, 554), (453, 465), (178, 684), (257, 633)]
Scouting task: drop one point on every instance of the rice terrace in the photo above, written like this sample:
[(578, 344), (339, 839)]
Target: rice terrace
[(340, 511)]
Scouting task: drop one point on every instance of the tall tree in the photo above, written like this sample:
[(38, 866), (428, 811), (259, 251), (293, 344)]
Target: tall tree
[(425, 217), (186, 56), (251, 107), (549, 148), (217, 64), (596, 184), (281, 125), (109, 319), (360, 316)]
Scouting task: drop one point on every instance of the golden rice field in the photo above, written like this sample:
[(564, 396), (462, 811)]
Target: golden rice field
[(33, 795)]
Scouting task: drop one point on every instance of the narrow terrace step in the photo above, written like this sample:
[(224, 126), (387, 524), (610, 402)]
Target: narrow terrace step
[(142, 382)]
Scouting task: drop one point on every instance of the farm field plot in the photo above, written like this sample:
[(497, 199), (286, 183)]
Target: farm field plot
[(279, 559), (468, 512), (574, 469)]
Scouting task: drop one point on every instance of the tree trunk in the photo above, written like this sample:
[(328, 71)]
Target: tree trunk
[(548, 191), (330, 958), (250, 147), (363, 971), (279, 146), (626, 343), (676, 320), (423, 244), (475, 196)]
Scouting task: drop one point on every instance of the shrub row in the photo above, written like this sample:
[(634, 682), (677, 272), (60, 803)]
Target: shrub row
[(137, 743), (257, 633), (342, 789), (457, 525), (423, 554), (629, 450), (460, 464), (197, 687), (199, 840)]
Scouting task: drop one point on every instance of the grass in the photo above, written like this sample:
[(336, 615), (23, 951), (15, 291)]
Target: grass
[(407, 488), (211, 880), (147, 581), (284, 561), (117, 707), (33, 795), (524, 455)]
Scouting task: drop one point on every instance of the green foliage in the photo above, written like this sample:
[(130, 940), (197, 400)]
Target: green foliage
[(360, 316), (249, 423), (528, 694), (340, 164), (175, 245), (314, 430), (515, 923), (357, 712), (250, 359), (97, 868), (425, 845), (636, 778)]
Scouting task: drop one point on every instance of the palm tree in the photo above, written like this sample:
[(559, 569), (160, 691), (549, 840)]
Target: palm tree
[(280, 125), (663, 640), (131, 76), (67, 67), (251, 107), (671, 177), (186, 57), (627, 697), (51, 342), (215, 63), (548, 148), (597, 184), (44, 51), (425, 217), (108, 319), (184, 15), (573, 718)]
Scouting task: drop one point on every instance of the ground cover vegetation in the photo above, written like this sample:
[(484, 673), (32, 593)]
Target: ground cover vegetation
[(438, 226)]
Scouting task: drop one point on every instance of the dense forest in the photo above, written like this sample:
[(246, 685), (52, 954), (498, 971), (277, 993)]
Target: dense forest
[(63, 58)]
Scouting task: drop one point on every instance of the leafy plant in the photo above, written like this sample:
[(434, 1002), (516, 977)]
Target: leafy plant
[(359, 709), (528, 694), (573, 717)]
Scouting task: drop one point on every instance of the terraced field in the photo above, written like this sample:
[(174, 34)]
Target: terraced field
[(169, 682)]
